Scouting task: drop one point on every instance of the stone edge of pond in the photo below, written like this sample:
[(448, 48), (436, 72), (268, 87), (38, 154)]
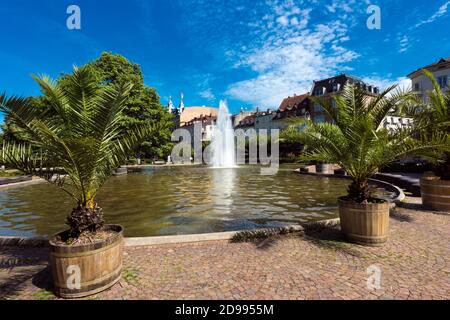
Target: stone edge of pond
[(400, 195), (178, 239), (25, 181)]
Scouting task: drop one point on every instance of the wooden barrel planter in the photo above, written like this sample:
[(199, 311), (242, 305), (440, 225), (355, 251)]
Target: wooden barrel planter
[(435, 193), (82, 270), (366, 224)]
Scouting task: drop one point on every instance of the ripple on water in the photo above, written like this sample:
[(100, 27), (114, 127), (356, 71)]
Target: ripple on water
[(181, 200)]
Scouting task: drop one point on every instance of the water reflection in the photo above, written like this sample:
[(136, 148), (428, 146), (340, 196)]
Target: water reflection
[(221, 190), (181, 200)]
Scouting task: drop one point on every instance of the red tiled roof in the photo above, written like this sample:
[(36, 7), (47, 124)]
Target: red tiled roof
[(247, 121), (289, 102)]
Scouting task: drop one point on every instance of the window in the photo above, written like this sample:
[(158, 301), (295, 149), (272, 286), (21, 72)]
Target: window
[(319, 119), (442, 82), (417, 87), (335, 87), (319, 91), (317, 108)]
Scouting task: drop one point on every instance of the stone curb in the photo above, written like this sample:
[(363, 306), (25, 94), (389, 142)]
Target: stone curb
[(136, 166), (191, 238), (23, 242), (10, 180), (21, 184)]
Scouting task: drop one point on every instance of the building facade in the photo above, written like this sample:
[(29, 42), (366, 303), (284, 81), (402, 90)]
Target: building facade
[(237, 118), (296, 106), (333, 86), (440, 70), (188, 117), (206, 125), (393, 123)]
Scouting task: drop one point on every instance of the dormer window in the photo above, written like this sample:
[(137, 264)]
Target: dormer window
[(335, 87)]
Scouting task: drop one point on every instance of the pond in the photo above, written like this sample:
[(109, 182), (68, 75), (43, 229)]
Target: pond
[(181, 200)]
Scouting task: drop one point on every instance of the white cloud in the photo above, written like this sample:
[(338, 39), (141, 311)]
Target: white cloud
[(273, 47), (207, 94), (283, 20), (288, 64), (383, 83), (404, 44), (442, 11)]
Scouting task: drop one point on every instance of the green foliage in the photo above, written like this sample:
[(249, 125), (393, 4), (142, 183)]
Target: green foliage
[(432, 117), (131, 275), (77, 141), (357, 141), (263, 234), (141, 107), (12, 131), (43, 295)]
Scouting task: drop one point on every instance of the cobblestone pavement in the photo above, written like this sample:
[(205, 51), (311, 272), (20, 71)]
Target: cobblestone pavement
[(414, 264)]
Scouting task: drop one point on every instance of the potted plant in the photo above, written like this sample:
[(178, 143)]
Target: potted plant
[(358, 143), (76, 143), (433, 118)]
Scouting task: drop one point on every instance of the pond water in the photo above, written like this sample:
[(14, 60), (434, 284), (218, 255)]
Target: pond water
[(181, 200)]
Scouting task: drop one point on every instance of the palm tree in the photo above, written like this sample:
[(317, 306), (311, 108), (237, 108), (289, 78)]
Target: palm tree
[(357, 140), (433, 116), (75, 142)]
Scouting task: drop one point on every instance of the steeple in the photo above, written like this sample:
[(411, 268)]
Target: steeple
[(181, 103), (170, 106)]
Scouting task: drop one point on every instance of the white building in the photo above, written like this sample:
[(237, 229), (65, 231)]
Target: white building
[(392, 123), (440, 70), (205, 123)]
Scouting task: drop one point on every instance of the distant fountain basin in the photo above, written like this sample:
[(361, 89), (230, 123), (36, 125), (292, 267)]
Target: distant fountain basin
[(222, 140)]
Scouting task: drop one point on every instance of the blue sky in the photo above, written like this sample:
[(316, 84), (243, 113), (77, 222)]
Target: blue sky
[(252, 53)]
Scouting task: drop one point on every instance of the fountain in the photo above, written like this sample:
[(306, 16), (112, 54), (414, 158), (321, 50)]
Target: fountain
[(222, 142)]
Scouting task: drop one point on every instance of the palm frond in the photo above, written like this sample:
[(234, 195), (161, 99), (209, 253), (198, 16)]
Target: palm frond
[(79, 133)]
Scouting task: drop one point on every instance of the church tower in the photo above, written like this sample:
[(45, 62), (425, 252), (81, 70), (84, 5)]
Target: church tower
[(170, 106), (181, 103)]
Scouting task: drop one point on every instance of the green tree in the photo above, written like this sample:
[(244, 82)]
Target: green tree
[(142, 106), (77, 141), (11, 131), (357, 140)]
